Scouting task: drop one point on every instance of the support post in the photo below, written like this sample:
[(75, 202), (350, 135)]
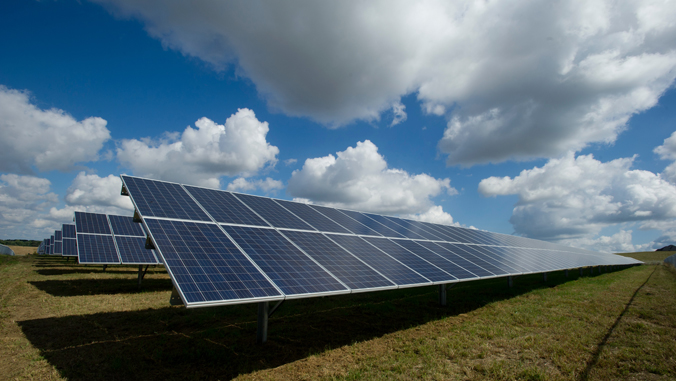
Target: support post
[(591, 270), (544, 277), (141, 274), (510, 281), (104, 267), (566, 273), (442, 294), (262, 332), (580, 271)]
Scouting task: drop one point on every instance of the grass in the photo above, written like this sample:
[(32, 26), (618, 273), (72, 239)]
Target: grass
[(649, 256), (64, 321)]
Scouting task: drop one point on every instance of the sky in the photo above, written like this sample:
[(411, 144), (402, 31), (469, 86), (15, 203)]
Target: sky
[(549, 120)]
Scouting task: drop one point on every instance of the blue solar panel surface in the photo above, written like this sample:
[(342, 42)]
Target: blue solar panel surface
[(373, 225), (383, 263), (291, 270), (91, 223), (224, 207), (70, 247), (68, 231), (345, 221), (456, 259), (123, 225), (273, 212), (206, 266), (57, 235), (313, 217), (490, 264), (415, 227), (57, 247), (346, 267), (436, 259), (96, 249), (133, 251), (411, 260), (396, 227), (160, 199)]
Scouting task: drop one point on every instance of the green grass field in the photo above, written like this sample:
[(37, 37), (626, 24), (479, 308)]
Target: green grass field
[(59, 320)]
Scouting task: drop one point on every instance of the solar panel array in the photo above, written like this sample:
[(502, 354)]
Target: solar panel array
[(222, 247), (69, 240), (109, 239), (51, 245)]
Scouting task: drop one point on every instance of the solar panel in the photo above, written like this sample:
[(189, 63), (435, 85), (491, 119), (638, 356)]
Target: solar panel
[(221, 247), (354, 273), (312, 217), (289, 268), (273, 213), (93, 223), (206, 267), (57, 235), (58, 250), (68, 231), (123, 225), (344, 221), (383, 263), (51, 245), (97, 249), (70, 247), (224, 207), (133, 251), (162, 199)]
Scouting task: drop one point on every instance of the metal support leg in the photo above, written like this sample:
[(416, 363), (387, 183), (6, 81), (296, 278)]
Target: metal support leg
[(104, 267), (262, 332), (141, 274), (580, 271), (566, 273), (544, 277), (442, 294), (510, 281)]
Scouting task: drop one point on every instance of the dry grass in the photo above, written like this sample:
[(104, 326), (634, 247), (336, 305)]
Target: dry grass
[(23, 250), (66, 321)]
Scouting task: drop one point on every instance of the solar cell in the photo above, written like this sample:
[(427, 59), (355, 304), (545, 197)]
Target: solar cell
[(411, 260), (345, 221), (289, 268), (91, 223), (374, 225), (354, 273), (312, 217), (97, 249), (162, 199), (224, 207), (58, 248), (57, 235), (133, 251), (436, 259), (273, 213), (381, 262), (68, 231), (70, 247), (484, 261), (123, 225)]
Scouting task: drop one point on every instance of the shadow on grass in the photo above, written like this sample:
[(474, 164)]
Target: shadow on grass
[(219, 342), (78, 287)]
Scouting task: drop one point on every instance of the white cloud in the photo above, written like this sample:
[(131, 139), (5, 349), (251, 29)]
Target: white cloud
[(201, 156), (358, 178), (620, 242), (517, 80), (22, 199), (290, 161), (44, 139), (435, 215), (573, 198), (667, 151), (267, 185), (92, 190), (399, 111)]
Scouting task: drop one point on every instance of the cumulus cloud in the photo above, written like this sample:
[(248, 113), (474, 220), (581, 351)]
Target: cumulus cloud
[(667, 151), (44, 139), (358, 178), (22, 199), (267, 185), (92, 190), (435, 215), (573, 198), (516, 80), (201, 156)]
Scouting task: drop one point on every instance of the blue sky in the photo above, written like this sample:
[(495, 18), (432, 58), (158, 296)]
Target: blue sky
[(547, 122)]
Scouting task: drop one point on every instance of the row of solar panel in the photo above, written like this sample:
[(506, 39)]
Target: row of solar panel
[(101, 239), (183, 202), (210, 268)]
